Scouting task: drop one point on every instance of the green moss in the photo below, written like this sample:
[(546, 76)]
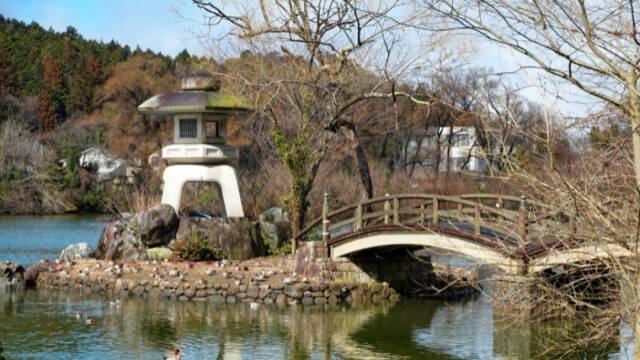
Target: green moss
[(219, 100)]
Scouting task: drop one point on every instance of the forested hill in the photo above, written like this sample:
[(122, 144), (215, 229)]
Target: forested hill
[(62, 69)]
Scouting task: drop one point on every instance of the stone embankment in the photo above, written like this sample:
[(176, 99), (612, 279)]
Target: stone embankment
[(254, 281)]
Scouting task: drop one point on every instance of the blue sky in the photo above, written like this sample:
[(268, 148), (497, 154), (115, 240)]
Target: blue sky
[(161, 25)]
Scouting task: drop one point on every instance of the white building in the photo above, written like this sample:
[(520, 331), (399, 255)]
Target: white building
[(106, 165), (456, 146)]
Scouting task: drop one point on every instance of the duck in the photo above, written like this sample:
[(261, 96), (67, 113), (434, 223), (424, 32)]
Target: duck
[(88, 321), (174, 355), (78, 316), (114, 304)]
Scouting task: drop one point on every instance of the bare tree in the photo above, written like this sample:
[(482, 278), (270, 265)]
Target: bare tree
[(328, 45), (593, 46)]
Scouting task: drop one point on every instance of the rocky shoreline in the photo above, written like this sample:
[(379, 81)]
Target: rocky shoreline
[(222, 282)]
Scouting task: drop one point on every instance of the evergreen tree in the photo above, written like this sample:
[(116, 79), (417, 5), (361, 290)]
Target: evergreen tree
[(47, 110), (8, 81)]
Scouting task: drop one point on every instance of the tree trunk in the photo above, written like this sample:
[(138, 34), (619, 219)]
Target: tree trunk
[(361, 160)]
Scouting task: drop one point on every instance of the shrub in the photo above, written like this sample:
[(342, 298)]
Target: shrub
[(196, 248)]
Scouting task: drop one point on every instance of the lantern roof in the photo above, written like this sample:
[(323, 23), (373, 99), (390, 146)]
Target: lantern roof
[(200, 93)]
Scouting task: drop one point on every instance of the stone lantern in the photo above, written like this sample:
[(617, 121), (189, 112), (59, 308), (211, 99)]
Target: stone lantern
[(200, 113)]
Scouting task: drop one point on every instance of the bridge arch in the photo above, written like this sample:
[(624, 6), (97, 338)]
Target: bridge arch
[(573, 255), (464, 247)]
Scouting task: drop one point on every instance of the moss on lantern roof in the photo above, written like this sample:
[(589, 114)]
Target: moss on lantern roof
[(195, 102)]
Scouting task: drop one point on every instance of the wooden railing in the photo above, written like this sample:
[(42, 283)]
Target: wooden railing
[(508, 215)]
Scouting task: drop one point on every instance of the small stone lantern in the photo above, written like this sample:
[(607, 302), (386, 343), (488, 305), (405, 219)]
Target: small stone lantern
[(200, 113)]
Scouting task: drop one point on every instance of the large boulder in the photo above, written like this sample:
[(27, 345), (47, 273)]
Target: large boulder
[(157, 226), (76, 251), (127, 239), (239, 238), (275, 229), (119, 241), (33, 272)]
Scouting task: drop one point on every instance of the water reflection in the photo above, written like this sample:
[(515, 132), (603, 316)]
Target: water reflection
[(43, 325)]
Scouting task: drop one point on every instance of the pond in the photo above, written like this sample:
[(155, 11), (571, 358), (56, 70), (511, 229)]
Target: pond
[(27, 239), (41, 324)]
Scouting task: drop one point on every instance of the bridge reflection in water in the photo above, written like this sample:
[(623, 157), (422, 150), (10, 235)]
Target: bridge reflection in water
[(38, 325)]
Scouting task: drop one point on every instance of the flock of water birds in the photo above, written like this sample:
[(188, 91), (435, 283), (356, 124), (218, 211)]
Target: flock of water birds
[(170, 355)]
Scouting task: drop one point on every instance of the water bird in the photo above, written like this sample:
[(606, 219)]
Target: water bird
[(88, 321), (174, 355), (78, 316), (114, 304)]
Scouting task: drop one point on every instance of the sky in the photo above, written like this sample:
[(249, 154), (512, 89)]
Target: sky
[(168, 26)]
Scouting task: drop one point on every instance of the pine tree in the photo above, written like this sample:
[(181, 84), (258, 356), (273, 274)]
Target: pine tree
[(8, 80), (47, 111), (50, 107), (52, 72)]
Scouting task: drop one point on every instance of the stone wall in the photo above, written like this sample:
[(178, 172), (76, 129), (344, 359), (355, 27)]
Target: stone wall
[(282, 293)]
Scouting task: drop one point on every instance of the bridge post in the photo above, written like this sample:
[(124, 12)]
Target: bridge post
[(396, 210), (477, 221), (359, 217), (325, 217), (436, 213), (422, 214), (387, 209), (523, 219)]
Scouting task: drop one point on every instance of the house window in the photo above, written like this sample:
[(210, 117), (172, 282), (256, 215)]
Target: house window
[(211, 129), (189, 128), (460, 163), (461, 139)]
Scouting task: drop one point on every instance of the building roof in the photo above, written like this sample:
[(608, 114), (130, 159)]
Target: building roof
[(195, 102), (200, 93)]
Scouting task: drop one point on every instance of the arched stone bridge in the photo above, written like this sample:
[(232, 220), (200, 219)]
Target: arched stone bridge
[(512, 233)]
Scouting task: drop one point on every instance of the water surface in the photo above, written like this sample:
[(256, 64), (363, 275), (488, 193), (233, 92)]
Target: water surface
[(27, 239), (42, 325)]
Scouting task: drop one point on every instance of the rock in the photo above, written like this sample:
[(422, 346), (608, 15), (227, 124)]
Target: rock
[(127, 239), (157, 226), (76, 251), (274, 228), (292, 292), (159, 253), (307, 300), (252, 292), (238, 238), (119, 242), (217, 299), (33, 272)]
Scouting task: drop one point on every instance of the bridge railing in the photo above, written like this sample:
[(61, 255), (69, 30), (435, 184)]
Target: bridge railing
[(481, 214)]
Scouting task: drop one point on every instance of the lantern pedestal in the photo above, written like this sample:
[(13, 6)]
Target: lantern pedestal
[(175, 176)]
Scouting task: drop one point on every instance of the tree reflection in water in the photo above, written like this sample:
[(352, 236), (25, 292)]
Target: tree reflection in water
[(42, 325)]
